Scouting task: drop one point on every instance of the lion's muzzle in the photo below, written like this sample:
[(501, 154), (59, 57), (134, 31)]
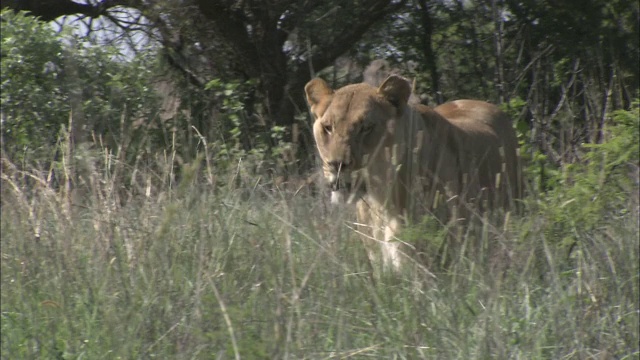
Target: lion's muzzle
[(339, 181), (345, 186), (338, 176), (337, 197)]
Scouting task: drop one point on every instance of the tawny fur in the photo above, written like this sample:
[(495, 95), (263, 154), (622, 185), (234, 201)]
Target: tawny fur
[(398, 162)]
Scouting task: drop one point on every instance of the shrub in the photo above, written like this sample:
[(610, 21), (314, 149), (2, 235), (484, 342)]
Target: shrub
[(50, 78), (595, 190)]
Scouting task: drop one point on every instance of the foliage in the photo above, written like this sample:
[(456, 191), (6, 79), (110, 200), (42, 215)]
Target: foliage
[(587, 195), (50, 79), (235, 143), (34, 104), (496, 51)]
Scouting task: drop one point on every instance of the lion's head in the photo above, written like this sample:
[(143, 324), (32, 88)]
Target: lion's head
[(354, 124)]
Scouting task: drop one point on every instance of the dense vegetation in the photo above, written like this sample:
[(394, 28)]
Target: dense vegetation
[(152, 205)]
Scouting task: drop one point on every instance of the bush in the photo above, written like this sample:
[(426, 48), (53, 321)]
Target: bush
[(34, 99), (595, 190), (50, 79)]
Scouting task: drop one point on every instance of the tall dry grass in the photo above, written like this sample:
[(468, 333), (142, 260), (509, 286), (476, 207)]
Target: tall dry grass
[(108, 260)]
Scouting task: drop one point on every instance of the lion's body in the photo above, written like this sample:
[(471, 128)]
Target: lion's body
[(399, 162)]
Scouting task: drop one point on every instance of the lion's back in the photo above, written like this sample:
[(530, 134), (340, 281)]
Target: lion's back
[(486, 143)]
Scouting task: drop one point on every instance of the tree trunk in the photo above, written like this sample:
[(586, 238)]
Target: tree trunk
[(427, 49), (498, 43)]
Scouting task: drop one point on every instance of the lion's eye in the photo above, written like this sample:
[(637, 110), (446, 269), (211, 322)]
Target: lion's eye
[(366, 129), (327, 129)]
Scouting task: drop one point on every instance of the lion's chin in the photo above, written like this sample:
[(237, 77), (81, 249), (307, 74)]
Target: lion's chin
[(342, 190), (337, 197), (342, 197)]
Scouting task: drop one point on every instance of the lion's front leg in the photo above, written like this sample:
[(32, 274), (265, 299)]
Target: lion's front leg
[(391, 246), (367, 230), (380, 234)]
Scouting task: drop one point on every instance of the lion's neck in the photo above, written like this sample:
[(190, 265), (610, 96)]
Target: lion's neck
[(391, 178)]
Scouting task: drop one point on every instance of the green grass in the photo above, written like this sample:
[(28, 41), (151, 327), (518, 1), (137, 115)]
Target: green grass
[(199, 273)]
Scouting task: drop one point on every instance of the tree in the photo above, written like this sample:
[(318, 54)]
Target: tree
[(279, 44), (561, 68)]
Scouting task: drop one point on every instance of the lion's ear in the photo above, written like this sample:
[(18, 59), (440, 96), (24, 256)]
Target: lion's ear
[(396, 90), (319, 96)]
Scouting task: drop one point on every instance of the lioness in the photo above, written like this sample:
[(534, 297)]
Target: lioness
[(398, 162)]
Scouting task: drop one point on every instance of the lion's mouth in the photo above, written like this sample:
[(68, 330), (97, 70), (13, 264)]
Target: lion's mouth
[(340, 189), (340, 185), (346, 189)]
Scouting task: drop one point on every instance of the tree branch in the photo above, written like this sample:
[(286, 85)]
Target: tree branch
[(230, 23), (329, 51), (48, 10)]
